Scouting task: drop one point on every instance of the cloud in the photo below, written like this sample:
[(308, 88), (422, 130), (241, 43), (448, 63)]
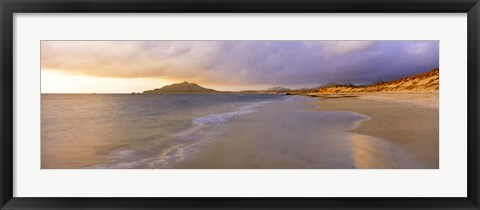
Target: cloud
[(126, 58), (346, 47), (243, 62), (421, 47)]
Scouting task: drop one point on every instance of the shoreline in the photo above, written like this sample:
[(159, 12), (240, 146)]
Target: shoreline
[(367, 131), (408, 120), (293, 135)]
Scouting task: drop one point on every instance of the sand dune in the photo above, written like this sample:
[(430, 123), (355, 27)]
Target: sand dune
[(404, 112), (427, 82)]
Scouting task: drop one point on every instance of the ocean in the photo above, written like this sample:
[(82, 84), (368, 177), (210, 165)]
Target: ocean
[(122, 128), (200, 131)]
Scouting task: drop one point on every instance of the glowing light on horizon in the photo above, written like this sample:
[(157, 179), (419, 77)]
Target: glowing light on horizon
[(233, 65), (58, 82), (53, 81)]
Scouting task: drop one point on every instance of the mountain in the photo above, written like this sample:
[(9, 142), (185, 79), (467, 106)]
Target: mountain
[(270, 91), (278, 89), (421, 83), (181, 88), (333, 84)]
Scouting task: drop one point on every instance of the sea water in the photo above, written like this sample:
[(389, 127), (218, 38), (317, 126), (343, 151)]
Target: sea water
[(206, 131), (126, 130)]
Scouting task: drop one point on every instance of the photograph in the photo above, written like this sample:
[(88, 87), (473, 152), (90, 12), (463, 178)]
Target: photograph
[(239, 104)]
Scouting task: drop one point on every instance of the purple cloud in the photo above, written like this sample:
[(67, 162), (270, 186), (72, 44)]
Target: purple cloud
[(244, 62)]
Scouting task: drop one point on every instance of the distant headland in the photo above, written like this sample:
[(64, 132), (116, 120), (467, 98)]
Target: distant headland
[(422, 83), (182, 88)]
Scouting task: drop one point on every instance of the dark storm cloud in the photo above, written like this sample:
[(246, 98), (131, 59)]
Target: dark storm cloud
[(244, 62)]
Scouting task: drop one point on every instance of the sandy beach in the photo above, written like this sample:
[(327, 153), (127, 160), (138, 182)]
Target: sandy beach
[(410, 121), (298, 134), (369, 131)]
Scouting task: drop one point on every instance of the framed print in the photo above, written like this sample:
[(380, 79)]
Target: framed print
[(239, 105)]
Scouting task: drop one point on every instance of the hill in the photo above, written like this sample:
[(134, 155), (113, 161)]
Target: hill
[(421, 83), (270, 91), (278, 89), (181, 88)]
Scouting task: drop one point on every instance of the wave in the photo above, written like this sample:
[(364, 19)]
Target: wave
[(219, 119), (185, 142)]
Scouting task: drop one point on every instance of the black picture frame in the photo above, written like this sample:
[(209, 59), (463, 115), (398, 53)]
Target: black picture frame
[(10, 7)]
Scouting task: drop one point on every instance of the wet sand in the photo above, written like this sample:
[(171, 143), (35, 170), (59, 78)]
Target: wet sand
[(369, 131), (293, 135), (410, 121)]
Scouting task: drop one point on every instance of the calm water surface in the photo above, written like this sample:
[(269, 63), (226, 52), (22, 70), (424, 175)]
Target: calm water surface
[(83, 130), (205, 131)]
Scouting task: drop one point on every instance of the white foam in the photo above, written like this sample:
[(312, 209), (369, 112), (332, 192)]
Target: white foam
[(218, 119), (202, 128)]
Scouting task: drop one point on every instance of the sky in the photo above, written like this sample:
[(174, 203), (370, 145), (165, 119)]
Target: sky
[(135, 66)]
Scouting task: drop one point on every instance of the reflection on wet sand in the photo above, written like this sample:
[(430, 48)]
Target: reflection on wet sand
[(371, 152), (290, 135), (117, 132)]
